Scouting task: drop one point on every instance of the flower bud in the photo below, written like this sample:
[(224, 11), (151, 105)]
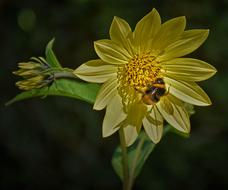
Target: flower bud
[(35, 74)]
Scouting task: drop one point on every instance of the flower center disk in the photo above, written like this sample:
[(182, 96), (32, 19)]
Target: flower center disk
[(140, 72)]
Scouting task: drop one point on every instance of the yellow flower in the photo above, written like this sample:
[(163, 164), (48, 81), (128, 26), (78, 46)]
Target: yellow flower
[(131, 64)]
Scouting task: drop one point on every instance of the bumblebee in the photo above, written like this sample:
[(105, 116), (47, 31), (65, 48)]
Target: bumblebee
[(154, 92)]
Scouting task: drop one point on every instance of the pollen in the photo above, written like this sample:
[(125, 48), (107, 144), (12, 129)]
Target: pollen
[(141, 71)]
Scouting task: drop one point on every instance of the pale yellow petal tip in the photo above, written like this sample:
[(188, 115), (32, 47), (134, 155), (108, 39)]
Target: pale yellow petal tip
[(154, 11), (179, 19), (207, 102), (95, 107), (213, 70), (186, 129), (98, 105), (182, 19), (105, 135), (189, 130), (185, 132), (130, 134), (107, 132), (156, 141), (206, 32), (97, 43), (179, 22), (131, 142), (116, 18)]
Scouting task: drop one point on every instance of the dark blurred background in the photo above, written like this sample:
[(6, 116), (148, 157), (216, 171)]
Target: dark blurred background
[(55, 143)]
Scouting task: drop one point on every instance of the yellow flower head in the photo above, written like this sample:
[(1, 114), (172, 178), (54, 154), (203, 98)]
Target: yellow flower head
[(145, 79)]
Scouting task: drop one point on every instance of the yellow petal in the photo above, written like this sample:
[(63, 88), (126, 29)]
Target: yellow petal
[(135, 114), (96, 71), (168, 33), (176, 100), (146, 29), (111, 52), (154, 130), (105, 94), (188, 69), (189, 41), (130, 134), (167, 106), (119, 32), (189, 92), (179, 119), (113, 117)]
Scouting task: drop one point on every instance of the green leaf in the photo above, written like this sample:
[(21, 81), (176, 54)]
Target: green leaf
[(138, 153), (62, 87), (50, 56)]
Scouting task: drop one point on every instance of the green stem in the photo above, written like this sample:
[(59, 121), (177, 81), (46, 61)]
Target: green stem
[(129, 177), (134, 163), (64, 74), (124, 160)]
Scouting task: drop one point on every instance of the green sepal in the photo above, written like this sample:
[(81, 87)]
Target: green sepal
[(138, 153), (50, 55), (62, 87)]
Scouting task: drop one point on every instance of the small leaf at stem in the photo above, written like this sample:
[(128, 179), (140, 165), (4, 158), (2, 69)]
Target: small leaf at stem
[(137, 155), (117, 162), (50, 55), (62, 87)]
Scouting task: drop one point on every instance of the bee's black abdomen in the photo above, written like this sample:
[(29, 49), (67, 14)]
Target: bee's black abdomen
[(150, 90), (160, 92), (154, 92)]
